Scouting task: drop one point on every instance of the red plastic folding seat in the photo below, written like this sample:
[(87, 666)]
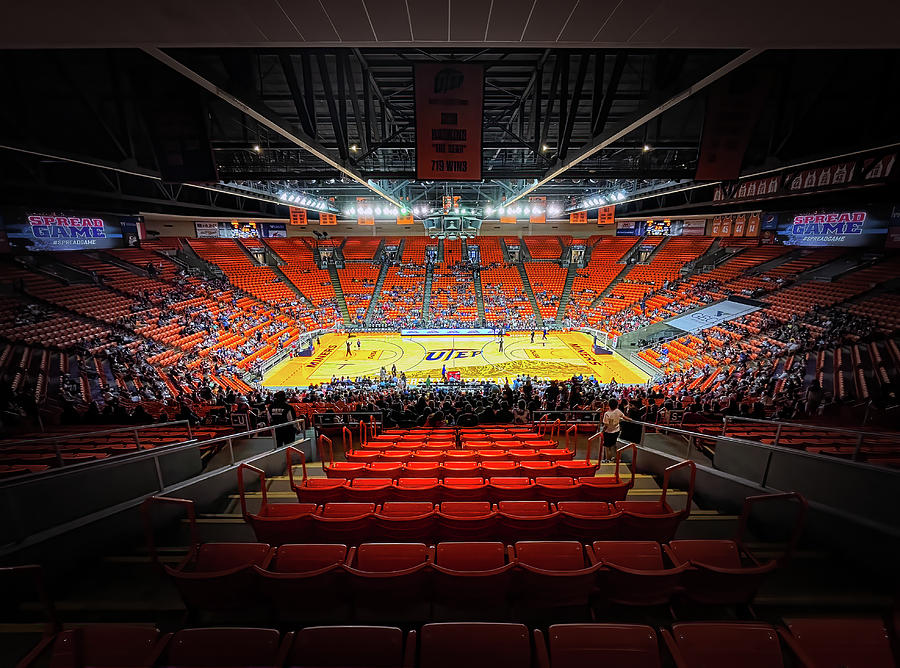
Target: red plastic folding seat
[(344, 523), (575, 468), (219, 576), (717, 573), (456, 469), (607, 645), (320, 490), (656, 520), (526, 520), (735, 644), (536, 468), (348, 470), (417, 469), (405, 520), (464, 489), (513, 488), (608, 488), (500, 468), (555, 454), (490, 455), (634, 573), (508, 443), (350, 647), (417, 489), (104, 645), (474, 645), (466, 520), (307, 582), (557, 489), (588, 520), (471, 581), (364, 456), (387, 581), (368, 490), (401, 456), (553, 574), (538, 443), (427, 457), (440, 444), (436, 447), (840, 643), (223, 648), (465, 456), (522, 454), (278, 523), (477, 445), (383, 470)]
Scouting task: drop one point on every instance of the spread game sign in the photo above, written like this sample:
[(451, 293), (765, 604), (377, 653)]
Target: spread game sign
[(449, 101), (832, 228), (58, 232)]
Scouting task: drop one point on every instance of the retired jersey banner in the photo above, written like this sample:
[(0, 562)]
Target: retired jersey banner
[(606, 215), (327, 219), (538, 215), (752, 229), (578, 217), (297, 216), (449, 118)]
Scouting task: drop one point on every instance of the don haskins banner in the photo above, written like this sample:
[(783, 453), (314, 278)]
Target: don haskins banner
[(449, 116)]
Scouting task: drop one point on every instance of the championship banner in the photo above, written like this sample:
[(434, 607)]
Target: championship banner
[(364, 215), (578, 218), (449, 118), (297, 216), (405, 220), (508, 219), (541, 215), (327, 219), (606, 215)]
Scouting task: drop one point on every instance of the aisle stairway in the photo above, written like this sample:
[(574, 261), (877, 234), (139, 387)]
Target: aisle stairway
[(566, 292), (479, 295), (376, 293), (526, 284), (426, 301), (339, 293)]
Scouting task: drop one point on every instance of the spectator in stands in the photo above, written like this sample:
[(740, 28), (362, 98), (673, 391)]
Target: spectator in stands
[(282, 413), (612, 420), (814, 397)]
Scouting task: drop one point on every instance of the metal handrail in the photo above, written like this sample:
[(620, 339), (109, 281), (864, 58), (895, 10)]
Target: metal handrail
[(104, 432), (151, 453), (737, 418)]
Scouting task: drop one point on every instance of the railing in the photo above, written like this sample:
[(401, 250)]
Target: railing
[(859, 437), (92, 434), (104, 502)]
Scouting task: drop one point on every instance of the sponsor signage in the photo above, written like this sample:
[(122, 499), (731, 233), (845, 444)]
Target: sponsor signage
[(475, 331), (273, 230), (206, 229), (63, 232), (712, 315), (695, 227), (449, 116), (831, 228)]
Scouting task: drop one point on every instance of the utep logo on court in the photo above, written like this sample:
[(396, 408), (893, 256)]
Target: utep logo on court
[(447, 354), (822, 224), (55, 227), (447, 79)]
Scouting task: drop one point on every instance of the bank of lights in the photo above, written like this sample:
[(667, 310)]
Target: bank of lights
[(603, 200), (375, 211), (552, 209), (305, 201)]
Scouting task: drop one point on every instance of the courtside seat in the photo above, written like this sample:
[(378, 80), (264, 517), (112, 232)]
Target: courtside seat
[(466, 520), (553, 574), (717, 573), (606, 645), (511, 488), (307, 582), (840, 643), (634, 573), (732, 644), (220, 576), (405, 520), (350, 647), (588, 520), (223, 648), (471, 581), (526, 520), (105, 645), (388, 579), (474, 645), (557, 488), (344, 523)]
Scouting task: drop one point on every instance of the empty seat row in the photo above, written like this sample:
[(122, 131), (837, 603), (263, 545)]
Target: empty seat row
[(829, 643), (451, 469), (462, 580)]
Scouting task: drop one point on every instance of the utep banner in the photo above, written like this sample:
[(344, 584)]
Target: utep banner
[(64, 232), (711, 316), (832, 228), (449, 117)]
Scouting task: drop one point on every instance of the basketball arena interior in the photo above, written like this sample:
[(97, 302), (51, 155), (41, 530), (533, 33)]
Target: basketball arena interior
[(439, 333)]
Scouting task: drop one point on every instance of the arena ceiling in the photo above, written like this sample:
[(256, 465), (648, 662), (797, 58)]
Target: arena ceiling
[(77, 132)]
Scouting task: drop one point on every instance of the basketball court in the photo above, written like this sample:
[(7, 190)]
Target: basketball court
[(561, 356)]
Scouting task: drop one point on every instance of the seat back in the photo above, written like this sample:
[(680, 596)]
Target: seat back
[(386, 557), (848, 642), (635, 554), (106, 646), (474, 645), (736, 645), (607, 645), (308, 558), (223, 648), (347, 646), (471, 556), (551, 555)]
